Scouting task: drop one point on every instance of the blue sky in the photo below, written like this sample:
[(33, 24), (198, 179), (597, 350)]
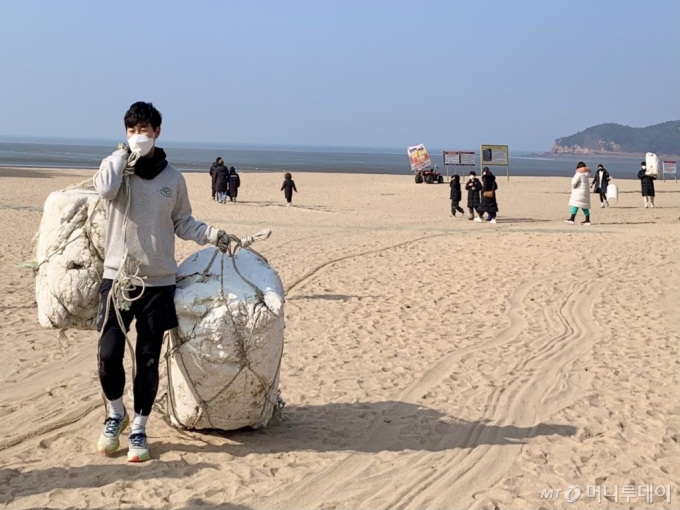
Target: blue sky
[(364, 73)]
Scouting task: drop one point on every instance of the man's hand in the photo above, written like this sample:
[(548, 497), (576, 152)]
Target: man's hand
[(119, 160), (225, 240)]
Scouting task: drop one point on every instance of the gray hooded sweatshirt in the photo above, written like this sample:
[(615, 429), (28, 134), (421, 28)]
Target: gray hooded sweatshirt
[(159, 210)]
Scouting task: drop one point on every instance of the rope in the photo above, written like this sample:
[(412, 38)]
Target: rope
[(127, 275), (176, 343)]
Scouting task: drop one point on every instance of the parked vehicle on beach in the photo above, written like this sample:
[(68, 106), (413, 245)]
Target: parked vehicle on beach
[(421, 166), (429, 176)]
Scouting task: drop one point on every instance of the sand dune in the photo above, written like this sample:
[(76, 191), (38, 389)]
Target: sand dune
[(430, 361)]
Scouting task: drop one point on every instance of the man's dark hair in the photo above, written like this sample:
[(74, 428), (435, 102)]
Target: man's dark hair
[(143, 113), (580, 164)]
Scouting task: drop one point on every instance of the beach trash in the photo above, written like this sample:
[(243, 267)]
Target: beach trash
[(653, 164), (612, 193), (225, 356), (69, 259)]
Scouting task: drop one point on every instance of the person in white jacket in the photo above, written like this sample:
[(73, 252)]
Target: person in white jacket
[(580, 194)]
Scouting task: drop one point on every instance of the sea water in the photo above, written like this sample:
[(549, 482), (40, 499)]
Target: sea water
[(54, 153)]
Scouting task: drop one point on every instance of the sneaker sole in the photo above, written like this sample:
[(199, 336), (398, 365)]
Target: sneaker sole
[(112, 448), (139, 457)]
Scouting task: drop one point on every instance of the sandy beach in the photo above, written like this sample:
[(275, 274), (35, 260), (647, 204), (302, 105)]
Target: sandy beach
[(430, 361)]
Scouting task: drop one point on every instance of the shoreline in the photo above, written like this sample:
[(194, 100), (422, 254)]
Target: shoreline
[(14, 171), (612, 155)]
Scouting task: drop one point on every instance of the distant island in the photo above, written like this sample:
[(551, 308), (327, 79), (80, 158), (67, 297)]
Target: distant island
[(617, 140)]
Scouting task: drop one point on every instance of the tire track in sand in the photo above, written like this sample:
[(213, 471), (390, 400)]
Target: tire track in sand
[(334, 481), (519, 405)]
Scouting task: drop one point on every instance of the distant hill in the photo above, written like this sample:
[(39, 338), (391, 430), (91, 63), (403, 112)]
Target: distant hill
[(615, 139)]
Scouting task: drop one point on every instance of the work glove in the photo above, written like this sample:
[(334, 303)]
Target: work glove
[(224, 241)]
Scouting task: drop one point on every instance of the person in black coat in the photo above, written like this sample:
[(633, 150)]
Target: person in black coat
[(601, 183), (456, 196), (288, 187), (213, 169), (488, 204), (221, 181), (473, 187), (647, 183), (234, 184)]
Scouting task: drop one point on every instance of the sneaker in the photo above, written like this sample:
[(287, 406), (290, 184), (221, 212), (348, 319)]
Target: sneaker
[(585, 223), (478, 219), (570, 222), (109, 441), (492, 220), (139, 447), (602, 205)]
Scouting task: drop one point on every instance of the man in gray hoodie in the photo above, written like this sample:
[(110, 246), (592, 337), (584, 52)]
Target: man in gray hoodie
[(140, 264)]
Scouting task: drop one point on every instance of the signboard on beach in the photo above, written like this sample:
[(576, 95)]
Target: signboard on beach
[(459, 158), (467, 159), (419, 158), (494, 155), (451, 158), (670, 167)]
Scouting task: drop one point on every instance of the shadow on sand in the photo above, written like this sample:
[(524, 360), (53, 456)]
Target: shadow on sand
[(17, 484), (331, 297), (521, 220), (365, 427), (359, 427)]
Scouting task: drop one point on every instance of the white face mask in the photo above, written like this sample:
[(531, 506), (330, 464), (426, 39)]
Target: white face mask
[(141, 143)]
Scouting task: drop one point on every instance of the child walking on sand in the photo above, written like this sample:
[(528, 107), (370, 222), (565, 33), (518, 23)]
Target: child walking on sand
[(288, 187), (456, 196), (580, 194)]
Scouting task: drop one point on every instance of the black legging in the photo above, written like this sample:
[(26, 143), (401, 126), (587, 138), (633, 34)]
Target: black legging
[(155, 314), (112, 373), (603, 197), (456, 208)]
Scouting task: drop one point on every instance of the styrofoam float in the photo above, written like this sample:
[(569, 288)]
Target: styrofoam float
[(653, 164), (225, 356), (70, 259), (612, 193)]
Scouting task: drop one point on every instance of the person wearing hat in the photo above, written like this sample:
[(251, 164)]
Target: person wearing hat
[(488, 203), (221, 181), (234, 184)]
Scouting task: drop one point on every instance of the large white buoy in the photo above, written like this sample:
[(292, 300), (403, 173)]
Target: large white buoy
[(70, 259), (225, 356), (612, 193), (653, 164)]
